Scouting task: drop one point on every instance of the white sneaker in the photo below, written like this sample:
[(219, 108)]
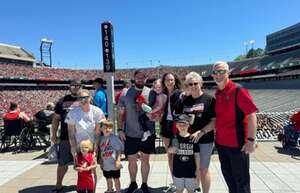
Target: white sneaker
[(171, 188), (146, 135)]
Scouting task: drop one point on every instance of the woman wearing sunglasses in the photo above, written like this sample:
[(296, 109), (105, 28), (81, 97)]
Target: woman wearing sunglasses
[(83, 123), (201, 107)]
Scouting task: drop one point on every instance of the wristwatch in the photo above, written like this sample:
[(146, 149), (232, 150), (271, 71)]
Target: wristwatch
[(251, 139)]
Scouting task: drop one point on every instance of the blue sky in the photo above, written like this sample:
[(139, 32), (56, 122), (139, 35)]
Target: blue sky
[(147, 32)]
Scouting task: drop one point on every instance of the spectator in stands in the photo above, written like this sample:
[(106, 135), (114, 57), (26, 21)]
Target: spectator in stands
[(295, 118), (63, 106), (131, 131), (201, 107), (235, 129), (172, 88), (15, 113), (44, 117), (43, 120), (123, 91), (100, 97)]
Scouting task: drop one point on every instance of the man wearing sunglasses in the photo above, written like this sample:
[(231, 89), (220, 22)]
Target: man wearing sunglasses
[(62, 107), (235, 129)]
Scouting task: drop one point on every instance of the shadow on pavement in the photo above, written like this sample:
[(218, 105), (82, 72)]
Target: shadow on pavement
[(47, 189), (292, 151)]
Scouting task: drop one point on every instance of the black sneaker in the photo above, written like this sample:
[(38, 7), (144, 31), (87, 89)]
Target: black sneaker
[(144, 188), (132, 187)]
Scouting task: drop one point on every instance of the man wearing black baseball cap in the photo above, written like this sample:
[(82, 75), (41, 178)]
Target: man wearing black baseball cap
[(100, 97)]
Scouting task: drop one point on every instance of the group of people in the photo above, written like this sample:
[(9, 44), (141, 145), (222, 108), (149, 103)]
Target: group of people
[(191, 122)]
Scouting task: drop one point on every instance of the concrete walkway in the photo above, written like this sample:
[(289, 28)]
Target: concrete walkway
[(273, 169)]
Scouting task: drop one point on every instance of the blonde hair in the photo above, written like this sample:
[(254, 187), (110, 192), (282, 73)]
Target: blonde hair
[(84, 91), (193, 75), (218, 63), (87, 143), (107, 123)]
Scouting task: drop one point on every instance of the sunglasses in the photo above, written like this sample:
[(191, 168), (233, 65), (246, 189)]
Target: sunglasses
[(83, 98), (215, 72), (75, 86), (193, 83)]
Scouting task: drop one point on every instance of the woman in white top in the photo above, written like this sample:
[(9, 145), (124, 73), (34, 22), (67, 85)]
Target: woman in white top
[(83, 121)]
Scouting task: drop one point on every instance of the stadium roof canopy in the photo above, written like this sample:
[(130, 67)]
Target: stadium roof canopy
[(15, 53)]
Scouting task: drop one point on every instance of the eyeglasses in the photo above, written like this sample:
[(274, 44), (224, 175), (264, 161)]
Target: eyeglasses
[(193, 83), (215, 72)]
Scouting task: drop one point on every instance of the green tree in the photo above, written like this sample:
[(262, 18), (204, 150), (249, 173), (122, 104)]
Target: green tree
[(240, 57)]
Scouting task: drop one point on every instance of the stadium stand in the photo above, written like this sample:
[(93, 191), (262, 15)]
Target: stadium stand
[(16, 55)]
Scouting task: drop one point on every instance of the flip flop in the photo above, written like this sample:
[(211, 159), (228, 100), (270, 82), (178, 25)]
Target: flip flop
[(57, 190)]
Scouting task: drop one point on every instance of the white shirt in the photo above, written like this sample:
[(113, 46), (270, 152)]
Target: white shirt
[(85, 122)]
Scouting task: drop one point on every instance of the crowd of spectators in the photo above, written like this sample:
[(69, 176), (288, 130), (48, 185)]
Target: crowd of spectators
[(269, 125), (30, 101), (46, 73)]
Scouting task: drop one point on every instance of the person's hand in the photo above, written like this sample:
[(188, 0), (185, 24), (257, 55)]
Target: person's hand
[(197, 173), (249, 147), (118, 164), (53, 139), (122, 136), (196, 136), (172, 150)]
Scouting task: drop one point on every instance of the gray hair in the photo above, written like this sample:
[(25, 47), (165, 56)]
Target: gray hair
[(218, 63), (193, 75)]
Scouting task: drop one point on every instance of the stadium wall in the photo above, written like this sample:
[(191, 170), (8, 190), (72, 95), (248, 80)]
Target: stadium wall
[(272, 84)]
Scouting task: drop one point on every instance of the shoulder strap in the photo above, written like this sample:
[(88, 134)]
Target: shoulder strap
[(239, 117)]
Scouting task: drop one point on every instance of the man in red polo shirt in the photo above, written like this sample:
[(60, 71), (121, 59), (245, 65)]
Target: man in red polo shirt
[(235, 129)]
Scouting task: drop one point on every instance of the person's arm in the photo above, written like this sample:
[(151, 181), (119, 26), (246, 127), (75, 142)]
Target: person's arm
[(72, 139), (25, 117), (160, 104), (250, 146), (55, 124), (207, 128), (118, 164), (122, 118), (93, 165), (98, 133)]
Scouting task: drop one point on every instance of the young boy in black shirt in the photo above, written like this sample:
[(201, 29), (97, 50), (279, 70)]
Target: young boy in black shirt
[(186, 157)]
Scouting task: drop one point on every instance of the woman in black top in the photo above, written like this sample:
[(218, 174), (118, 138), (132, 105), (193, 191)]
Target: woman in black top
[(201, 107), (171, 87)]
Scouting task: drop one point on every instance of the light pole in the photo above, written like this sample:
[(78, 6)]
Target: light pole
[(45, 49)]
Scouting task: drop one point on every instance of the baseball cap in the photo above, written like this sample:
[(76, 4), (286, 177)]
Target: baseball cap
[(99, 80), (182, 118)]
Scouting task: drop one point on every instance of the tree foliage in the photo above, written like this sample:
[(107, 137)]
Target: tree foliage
[(251, 54)]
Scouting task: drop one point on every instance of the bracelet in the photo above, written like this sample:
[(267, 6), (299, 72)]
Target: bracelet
[(251, 139)]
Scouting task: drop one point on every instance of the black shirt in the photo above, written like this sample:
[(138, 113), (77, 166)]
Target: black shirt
[(203, 110), (62, 108), (184, 165)]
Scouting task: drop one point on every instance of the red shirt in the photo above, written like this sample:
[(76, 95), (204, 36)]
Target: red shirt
[(85, 178), (225, 114), (296, 120), (13, 115)]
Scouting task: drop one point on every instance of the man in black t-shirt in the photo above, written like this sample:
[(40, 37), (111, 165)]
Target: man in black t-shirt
[(186, 156), (61, 110)]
